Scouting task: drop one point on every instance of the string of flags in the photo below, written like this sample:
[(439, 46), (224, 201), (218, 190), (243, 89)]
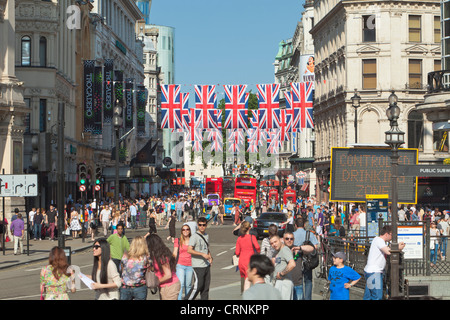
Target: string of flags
[(269, 124)]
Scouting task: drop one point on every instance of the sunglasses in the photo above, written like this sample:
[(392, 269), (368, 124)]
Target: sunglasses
[(288, 238), (96, 246), (185, 230), (202, 224)]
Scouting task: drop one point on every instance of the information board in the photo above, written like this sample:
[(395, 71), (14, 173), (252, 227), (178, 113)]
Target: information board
[(356, 172), (412, 236), (377, 207)]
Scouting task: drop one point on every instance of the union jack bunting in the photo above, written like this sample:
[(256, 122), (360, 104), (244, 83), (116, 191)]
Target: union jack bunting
[(293, 109), (236, 102), (253, 141), (215, 136), (283, 120), (184, 111), (170, 102), (268, 98), (273, 142), (218, 114), (235, 139), (303, 93), (198, 139), (205, 103)]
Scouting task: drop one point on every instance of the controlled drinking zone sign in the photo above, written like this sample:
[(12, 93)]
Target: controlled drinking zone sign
[(356, 172)]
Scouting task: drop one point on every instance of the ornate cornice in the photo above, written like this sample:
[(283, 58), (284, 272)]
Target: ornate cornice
[(37, 16)]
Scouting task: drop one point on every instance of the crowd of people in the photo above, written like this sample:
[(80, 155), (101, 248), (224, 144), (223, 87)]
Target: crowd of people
[(120, 267)]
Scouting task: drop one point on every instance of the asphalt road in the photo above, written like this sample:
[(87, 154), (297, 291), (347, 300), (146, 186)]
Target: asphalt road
[(22, 282)]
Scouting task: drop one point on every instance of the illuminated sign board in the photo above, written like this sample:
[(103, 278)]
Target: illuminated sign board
[(356, 172)]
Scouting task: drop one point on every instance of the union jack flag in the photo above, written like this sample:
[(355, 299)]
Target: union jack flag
[(283, 120), (184, 110), (170, 102), (253, 141), (293, 109), (198, 139), (215, 135), (273, 141), (268, 98), (236, 101), (303, 92), (205, 103), (235, 139)]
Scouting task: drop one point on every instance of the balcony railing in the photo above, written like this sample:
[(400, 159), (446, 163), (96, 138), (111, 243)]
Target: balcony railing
[(439, 81)]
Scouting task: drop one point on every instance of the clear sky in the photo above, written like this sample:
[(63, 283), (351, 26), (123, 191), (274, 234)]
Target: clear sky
[(226, 42)]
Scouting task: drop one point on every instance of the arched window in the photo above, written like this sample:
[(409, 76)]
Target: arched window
[(415, 130), (26, 51), (43, 52)]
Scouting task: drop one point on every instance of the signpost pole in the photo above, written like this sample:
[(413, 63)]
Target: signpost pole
[(4, 225)]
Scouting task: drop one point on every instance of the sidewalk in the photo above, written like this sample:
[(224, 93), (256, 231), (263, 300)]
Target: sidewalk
[(39, 250)]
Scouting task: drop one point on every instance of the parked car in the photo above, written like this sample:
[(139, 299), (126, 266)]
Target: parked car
[(262, 223)]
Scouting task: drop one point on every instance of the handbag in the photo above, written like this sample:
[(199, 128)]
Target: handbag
[(151, 279), (235, 260)]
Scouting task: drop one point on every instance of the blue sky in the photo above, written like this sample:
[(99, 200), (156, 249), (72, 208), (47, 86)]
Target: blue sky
[(226, 42)]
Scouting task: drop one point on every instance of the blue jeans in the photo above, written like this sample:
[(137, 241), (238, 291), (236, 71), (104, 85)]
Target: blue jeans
[(444, 241), (374, 286), (133, 293), (37, 228), (179, 214), (433, 254), (133, 222), (184, 273), (298, 292), (307, 285)]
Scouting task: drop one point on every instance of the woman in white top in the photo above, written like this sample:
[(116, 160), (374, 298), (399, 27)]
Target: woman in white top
[(106, 278), (434, 243)]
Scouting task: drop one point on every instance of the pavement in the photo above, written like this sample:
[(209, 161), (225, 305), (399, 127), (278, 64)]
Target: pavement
[(39, 250)]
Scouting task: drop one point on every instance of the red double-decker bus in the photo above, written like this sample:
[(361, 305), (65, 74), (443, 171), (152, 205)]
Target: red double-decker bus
[(245, 188), (214, 185)]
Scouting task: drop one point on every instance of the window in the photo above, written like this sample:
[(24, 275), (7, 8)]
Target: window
[(43, 52), (437, 29), (415, 74), (414, 28), (26, 51), (415, 130), (42, 115), (370, 74), (28, 115), (369, 34), (437, 65)]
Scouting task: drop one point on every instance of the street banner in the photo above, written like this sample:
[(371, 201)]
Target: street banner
[(88, 83), (141, 103), (98, 100), (306, 68), (108, 95), (129, 103)]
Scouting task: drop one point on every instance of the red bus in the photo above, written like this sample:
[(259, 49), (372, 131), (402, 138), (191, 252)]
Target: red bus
[(214, 185), (228, 187), (245, 188)]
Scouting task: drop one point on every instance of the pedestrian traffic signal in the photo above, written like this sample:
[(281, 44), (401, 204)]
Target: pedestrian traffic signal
[(82, 174), (98, 175)]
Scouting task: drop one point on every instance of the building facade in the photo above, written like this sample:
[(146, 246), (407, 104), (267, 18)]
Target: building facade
[(374, 48), (14, 113)]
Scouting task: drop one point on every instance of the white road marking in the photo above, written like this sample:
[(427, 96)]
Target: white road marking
[(229, 267), (219, 254)]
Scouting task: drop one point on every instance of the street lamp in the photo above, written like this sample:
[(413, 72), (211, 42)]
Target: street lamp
[(117, 122), (394, 138), (356, 99)]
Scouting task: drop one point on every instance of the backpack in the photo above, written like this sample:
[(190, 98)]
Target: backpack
[(310, 260)]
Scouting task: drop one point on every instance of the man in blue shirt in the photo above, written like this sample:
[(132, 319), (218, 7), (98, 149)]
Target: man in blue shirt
[(300, 236)]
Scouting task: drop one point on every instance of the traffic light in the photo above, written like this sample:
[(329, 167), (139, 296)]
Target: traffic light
[(98, 175), (82, 174), (117, 118)]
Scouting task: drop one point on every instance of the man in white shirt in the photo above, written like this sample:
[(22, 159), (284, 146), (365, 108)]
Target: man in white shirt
[(31, 218), (133, 214), (376, 262), (105, 216), (445, 226)]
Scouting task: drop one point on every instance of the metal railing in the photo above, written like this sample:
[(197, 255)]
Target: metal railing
[(357, 250), (438, 81)]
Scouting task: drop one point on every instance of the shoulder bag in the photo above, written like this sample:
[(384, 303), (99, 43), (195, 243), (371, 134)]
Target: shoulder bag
[(151, 279)]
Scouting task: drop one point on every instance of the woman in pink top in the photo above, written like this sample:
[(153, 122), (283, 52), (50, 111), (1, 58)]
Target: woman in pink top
[(183, 259), (164, 262)]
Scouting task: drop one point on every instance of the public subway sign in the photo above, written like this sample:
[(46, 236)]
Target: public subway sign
[(356, 172)]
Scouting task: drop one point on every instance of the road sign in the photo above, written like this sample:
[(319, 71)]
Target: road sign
[(82, 188), (18, 185), (356, 172), (424, 171), (97, 187)]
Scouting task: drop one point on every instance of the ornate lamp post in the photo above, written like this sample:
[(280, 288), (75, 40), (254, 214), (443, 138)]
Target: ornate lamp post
[(356, 99), (394, 138)]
